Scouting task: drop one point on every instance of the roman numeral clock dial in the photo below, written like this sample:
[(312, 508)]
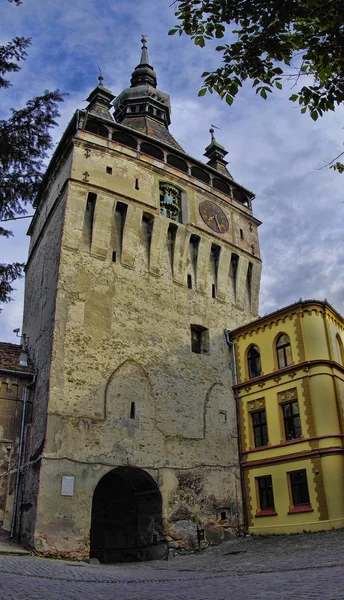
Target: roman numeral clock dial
[(213, 216)]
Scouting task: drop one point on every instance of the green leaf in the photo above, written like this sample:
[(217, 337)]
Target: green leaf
[(263, 93), (279, 85), (172, 31), (294, 97), (202, 92), (229, 100)]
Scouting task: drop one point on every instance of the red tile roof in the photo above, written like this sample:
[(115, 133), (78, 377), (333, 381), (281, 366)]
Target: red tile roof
[(9, 358)]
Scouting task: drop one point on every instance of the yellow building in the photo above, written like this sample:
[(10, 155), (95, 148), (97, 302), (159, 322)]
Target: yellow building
[(290, 395)]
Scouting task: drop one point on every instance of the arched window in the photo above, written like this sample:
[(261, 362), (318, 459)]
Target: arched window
[(240, 196), (124, 139), (170, 205), (340, 349), (283, 350), (200, 174), (177, 162), (152, 151), (221, 185), (253, 362), (97, 128)]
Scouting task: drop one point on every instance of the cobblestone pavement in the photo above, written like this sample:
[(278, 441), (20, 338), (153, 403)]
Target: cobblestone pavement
[(306, 567)]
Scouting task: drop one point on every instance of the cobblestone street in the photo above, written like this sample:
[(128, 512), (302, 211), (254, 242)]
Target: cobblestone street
[(308, 566)]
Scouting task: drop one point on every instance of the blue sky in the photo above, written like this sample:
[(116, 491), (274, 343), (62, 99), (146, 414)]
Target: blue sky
[(272, 149)]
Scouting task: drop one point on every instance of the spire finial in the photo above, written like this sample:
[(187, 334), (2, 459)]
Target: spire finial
[(144, 53), (211, 131), (100, 78)]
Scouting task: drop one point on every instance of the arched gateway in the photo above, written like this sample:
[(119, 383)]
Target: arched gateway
[(127, 517)]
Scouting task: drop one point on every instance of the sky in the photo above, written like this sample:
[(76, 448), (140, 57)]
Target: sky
[(273, 150)]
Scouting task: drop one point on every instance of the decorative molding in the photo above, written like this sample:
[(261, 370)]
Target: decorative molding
[(254, 405), (287, 395)]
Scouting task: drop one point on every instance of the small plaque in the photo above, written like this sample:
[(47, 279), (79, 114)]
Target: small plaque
[(67, 485)]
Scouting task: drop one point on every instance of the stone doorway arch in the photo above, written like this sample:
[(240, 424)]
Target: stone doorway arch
[(126, 523)]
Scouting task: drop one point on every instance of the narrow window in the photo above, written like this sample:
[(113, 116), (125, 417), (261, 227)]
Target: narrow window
[(170, 202), (265, 491), (114, 257), (120, 217), (189, 282), (199, 339), (299, 488), (241, 234), (193, 254), (283, 351), (147, 228), (233, 272), (109, 170), (223, 515), (214, 263), (171, 240), (249, 282), (260, 430), (137, 187), (89, 217), (132, 410), (291, 418), (253, 361)]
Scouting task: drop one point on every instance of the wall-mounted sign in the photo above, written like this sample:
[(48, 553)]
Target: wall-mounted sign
[(67, 485)]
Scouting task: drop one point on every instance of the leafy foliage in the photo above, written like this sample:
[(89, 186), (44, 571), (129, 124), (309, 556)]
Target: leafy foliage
[(271, 41), (24, 143)]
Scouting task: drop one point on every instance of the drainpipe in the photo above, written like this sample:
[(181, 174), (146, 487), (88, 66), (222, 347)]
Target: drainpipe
[(20, 455), (236, 397)]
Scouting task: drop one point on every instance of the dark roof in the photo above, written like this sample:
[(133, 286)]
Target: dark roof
[(152, 128), (9, 358)]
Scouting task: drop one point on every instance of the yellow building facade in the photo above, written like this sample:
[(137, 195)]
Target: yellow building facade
[(290, 396)]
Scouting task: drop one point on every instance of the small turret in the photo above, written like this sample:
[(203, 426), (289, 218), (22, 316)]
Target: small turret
[(216, 153), (100, 100)]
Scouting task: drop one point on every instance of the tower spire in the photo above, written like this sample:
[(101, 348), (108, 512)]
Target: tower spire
[(142, 106), (144, 72)]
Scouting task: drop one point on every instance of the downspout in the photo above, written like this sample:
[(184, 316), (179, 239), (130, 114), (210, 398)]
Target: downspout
[(236, 397), (20, 456)]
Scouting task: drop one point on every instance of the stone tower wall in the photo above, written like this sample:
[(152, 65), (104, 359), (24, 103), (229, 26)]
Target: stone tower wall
[(117, 378)]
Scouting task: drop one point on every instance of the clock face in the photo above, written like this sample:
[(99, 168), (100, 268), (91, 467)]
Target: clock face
[(213, 216)]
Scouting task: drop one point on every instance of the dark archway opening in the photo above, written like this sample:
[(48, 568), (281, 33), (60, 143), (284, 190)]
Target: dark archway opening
[(126, 521)]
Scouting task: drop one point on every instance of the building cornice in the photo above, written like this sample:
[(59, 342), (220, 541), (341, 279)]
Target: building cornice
[(305, 366), (287, 311), (315, 453)]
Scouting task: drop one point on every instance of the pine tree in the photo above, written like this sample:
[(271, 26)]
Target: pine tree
[(25, 140)]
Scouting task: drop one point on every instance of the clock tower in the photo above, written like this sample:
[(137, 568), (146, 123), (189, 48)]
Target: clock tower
[(143, 257)]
